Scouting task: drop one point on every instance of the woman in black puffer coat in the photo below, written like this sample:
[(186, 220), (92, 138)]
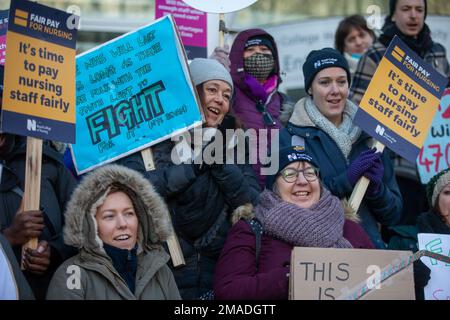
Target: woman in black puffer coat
[(202, 197)]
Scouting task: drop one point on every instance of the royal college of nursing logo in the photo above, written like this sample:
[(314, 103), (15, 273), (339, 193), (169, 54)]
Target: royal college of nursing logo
[(31, 125), (380, 130)]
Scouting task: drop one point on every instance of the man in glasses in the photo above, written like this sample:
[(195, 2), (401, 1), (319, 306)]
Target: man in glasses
[(255, 69)]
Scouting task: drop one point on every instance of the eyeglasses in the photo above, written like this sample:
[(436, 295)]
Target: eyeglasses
[(291, 175), (267, 117)]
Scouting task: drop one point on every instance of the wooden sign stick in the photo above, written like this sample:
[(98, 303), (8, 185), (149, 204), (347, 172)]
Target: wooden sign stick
[(361, 186), (222, 30), (32, 190), (174, 245)]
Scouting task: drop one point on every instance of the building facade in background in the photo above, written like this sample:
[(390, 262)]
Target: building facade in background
[(298, 26)]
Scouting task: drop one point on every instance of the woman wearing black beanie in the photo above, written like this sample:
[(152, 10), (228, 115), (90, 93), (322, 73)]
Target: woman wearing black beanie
[(322, 123)]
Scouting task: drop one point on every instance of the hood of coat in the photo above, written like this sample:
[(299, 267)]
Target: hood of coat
[(245, 211), (153, 215), (299, 117), (237, 56)]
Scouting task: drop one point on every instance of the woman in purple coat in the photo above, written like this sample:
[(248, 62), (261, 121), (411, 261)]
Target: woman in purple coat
[(294, 210), (254, 65)]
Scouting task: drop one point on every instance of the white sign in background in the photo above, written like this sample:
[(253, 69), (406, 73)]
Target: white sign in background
[(438, 287), (219, 6), (296, 40)]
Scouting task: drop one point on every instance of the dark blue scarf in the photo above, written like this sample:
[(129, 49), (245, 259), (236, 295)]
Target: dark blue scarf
[(125, 262)]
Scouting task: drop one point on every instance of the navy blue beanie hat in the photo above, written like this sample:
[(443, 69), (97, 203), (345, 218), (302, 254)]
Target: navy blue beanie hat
[(286, 156), (317, 60), (260, 40)]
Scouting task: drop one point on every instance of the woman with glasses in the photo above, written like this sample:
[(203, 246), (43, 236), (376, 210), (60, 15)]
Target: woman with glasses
[(295, 210), (322, 123)]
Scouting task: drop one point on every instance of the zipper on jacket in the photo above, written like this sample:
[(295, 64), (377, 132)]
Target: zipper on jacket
[(128, 265)]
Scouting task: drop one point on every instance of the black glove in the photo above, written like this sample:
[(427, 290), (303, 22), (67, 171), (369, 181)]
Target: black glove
[(421, 278), (199, 169)]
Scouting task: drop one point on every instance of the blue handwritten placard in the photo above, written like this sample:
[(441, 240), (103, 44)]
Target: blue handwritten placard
[(435, 154), (132, 93)]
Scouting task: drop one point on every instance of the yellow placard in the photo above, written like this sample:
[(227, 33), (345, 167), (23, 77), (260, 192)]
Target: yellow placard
[(399, 102), (42, 84)]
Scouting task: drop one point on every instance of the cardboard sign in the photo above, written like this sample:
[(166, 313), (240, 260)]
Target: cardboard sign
[(132, 93), (438, 287), (219, 6), (435, 154), (4, 17), (400, 103), (331, 274), (191, 24), (39, 85)]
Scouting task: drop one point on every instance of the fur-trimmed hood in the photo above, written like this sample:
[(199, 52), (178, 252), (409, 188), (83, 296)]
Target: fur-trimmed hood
[(299, 116), (80, 225)]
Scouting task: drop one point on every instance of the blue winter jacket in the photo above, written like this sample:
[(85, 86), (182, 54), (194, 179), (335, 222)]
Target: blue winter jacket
[(384, 208)]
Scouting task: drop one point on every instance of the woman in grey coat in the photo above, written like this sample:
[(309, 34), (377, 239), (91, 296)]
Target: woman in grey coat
[(117, 221)]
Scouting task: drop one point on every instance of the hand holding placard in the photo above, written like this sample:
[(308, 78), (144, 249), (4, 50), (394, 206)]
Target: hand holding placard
[(363, 183), (32, 190), (39, 87), (399, 105)]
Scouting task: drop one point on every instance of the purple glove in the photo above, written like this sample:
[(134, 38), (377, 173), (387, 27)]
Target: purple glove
[(221, 54), (375, 175), (361, 164)]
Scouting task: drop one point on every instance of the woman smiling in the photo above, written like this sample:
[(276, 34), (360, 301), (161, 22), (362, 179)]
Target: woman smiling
[(322, 123), (202, 194), (118, 222), (294, 210)]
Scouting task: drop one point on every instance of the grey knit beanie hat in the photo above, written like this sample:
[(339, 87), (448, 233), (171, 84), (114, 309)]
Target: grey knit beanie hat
[(436, 184), (203, 70)]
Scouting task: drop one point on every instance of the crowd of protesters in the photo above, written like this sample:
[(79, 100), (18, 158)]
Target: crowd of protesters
[(102, 235)]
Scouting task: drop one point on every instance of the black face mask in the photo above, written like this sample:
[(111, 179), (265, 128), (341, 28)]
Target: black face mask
[(259, 65), (7, 145)]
